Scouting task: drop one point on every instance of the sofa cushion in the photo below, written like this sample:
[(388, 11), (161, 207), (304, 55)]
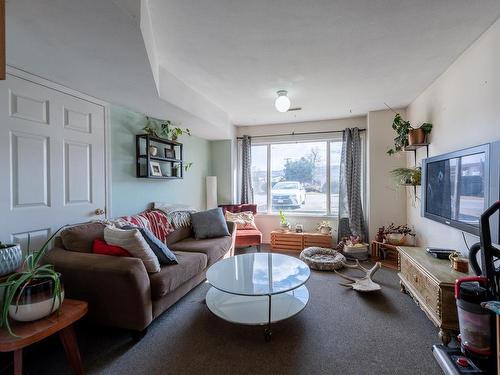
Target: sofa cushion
[(249, 237), (132, 241), (81, 237), (214, 248), (101, 247), (172, 276), (162, 252), (209, 224), (178, 235)]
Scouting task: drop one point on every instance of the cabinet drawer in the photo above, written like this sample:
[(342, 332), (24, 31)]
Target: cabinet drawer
[(427, 288)]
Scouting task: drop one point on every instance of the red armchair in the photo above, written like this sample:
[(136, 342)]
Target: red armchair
[(244, 237)]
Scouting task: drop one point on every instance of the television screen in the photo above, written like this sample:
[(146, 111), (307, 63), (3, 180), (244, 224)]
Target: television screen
[(455, 188)]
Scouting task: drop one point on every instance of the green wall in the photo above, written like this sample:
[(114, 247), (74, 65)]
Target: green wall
[(130, 195), (222, 168)]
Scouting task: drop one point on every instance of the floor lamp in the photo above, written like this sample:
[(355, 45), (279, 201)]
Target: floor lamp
[(211, 192)]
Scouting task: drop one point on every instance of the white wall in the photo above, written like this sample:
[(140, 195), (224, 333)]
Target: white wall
[(268, 222), (464, 106), (386, 200)]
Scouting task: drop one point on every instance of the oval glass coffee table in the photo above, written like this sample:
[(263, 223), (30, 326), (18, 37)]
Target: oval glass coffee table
[(258, 289)]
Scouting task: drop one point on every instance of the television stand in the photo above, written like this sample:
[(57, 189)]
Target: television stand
[(431, 282)]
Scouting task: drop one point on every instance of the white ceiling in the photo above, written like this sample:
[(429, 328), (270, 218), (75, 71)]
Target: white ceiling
[(221, 61), (96, 47), (336, 58)]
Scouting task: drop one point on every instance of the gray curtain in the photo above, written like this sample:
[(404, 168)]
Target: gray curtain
[(351, 218), (246, 170)]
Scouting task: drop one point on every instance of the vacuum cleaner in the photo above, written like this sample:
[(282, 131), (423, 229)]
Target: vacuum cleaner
[(477, 351)]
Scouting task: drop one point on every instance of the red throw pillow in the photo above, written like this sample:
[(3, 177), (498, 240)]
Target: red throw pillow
[(101, 247)]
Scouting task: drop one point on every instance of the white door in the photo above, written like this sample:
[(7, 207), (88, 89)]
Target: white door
[(52, 168)]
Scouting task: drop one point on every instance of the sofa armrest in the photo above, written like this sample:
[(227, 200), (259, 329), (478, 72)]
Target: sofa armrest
[(116, 288), (232, 231)]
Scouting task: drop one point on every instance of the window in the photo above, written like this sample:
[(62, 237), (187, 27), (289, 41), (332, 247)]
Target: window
[(299, 177)]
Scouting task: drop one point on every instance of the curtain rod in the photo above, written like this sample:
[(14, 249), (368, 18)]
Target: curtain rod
[(294, 133)]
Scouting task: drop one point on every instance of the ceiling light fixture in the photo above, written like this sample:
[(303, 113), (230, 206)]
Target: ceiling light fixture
[(282, 102)]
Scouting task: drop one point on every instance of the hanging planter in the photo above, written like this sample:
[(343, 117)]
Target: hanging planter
[(407, 135)]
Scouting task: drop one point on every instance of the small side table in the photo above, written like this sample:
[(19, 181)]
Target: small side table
[(32, 332), (385, 253)]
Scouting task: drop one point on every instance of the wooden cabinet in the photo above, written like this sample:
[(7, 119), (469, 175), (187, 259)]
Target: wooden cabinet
[(299, 241), (431, 282)]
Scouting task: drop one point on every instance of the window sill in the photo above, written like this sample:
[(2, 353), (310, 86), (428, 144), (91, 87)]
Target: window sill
[(301, 214)]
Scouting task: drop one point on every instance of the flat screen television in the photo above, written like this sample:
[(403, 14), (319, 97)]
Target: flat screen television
[(457, 187)]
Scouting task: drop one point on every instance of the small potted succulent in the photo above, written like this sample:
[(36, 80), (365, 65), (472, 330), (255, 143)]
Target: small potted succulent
[(324, 227), (284, 225), (33, 292), (408, 135)]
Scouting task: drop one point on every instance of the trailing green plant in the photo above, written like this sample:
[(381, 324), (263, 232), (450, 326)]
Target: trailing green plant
[(163, 129), (282, 218), (31, 271), (402, 128), (407, 176), (187, 166)]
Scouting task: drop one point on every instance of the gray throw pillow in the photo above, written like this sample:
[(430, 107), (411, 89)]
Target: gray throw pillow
[(209, 224), (162, 252)]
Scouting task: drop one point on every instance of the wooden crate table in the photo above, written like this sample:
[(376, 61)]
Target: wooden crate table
[(293, 241), (384, 253), (431, 283), (32, 332)]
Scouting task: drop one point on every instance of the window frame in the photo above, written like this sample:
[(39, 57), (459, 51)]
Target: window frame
[(328, 138)]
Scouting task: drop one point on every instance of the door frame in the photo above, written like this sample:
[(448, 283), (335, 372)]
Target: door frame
[(19, 73)]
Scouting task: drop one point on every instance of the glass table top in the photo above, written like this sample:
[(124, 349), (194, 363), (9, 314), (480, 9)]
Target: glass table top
[(258, 274)]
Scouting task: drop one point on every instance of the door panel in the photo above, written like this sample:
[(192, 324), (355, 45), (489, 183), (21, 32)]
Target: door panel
[(30, 170), (78, 174), (54, 170)]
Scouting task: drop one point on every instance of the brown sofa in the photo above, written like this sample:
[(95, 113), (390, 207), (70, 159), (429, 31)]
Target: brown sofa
[(119, 291)]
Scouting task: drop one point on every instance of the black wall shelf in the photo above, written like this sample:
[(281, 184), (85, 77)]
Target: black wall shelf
[(171, 168)]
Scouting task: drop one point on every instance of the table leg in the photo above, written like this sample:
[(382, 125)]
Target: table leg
[(68, 339), (18, 362), (267, 332), (444, 336)]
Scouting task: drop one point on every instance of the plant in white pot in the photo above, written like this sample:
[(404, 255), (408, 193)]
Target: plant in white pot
[(33, 292), (324, 227), (399, 235), (283, 222)]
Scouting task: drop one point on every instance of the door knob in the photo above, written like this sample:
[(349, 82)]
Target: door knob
[(99, 211)]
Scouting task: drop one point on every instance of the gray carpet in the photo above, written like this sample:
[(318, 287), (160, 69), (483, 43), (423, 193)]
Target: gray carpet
[(339, 332)]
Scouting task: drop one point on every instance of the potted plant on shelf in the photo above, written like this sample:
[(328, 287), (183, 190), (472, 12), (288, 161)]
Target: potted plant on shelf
[(407, 176), (324, 227), (399, 235), (285, 226), (407, 135), (164, 129), (33, 292), (177, 132)]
